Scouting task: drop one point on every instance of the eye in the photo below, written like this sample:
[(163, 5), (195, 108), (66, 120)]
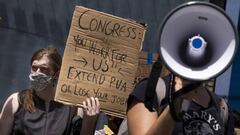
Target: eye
[(45, 70), (34, 68), (41, 69)]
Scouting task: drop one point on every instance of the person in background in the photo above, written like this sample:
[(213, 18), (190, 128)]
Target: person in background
[(34, 111)]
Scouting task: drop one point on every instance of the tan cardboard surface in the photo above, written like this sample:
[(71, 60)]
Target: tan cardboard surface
[(100, 60), (145, 63)]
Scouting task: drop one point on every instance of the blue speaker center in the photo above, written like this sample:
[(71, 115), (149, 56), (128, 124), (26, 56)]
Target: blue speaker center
[(197, 43)]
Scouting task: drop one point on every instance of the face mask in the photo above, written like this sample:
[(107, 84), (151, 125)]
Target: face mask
[(39, 81)]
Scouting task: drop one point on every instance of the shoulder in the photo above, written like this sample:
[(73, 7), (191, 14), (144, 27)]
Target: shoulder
[(15, 101), (223, 109), (139, 91), (12, 101), (11, 105), (141, 84), (140, 87), (222, 105), (7, 114)]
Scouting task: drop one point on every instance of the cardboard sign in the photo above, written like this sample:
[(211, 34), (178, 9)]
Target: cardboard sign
[(145, 63), (100, 60)]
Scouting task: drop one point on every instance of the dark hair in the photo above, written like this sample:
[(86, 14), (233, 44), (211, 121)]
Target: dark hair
[(55, 59), (52, 54)]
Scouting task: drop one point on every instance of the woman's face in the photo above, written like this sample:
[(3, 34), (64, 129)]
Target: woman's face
[(42, 65)]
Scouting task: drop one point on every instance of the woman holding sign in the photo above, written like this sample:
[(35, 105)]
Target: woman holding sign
[(34, 111)]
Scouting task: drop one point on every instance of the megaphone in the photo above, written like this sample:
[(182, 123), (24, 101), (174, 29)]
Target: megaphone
[(197, 41)]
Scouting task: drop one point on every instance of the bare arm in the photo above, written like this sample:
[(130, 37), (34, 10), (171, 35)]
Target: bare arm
[(91, 110), (7, 115), (143, 122)]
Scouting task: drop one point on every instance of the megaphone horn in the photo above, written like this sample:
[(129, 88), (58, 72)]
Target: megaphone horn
[(197, 41)]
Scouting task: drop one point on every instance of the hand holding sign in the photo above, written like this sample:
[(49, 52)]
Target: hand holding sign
[(91, 106)]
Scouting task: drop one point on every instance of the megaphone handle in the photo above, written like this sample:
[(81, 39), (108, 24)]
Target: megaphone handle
[(173, 95), (151, 84), (170, 99)]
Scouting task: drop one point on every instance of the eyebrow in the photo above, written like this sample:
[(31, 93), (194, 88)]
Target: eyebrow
[(42, 65)]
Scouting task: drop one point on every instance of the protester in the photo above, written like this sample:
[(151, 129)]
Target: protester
[(198, 111), (34, 111)]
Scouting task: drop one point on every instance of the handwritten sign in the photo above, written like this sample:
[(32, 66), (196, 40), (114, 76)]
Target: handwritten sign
[(145, 63), (100, 60)]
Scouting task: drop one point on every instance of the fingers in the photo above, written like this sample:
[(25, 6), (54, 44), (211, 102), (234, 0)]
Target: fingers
[(85, 106), (97, 105), (91, 106)]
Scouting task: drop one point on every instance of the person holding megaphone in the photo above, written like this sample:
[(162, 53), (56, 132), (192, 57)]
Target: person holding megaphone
[(195, 46), (196, 110)]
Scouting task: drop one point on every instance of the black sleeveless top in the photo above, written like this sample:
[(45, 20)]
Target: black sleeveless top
[(196, 121), (201, 121), (54, 122)]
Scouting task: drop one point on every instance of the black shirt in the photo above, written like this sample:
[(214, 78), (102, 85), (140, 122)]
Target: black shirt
[(196, 121), (42, 122)]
